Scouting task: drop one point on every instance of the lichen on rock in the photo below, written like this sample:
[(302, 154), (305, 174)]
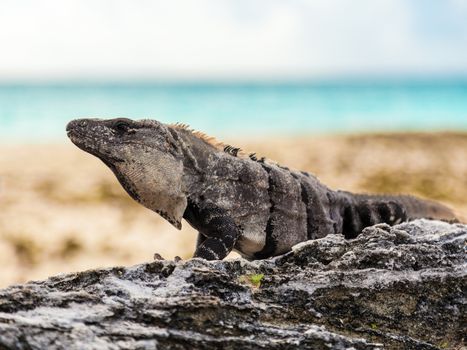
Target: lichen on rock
[(391, 287)]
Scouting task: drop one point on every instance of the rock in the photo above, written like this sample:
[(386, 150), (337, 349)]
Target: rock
[(391, 287)]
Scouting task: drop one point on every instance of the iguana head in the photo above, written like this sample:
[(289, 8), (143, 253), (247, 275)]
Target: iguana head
[(144, 156)]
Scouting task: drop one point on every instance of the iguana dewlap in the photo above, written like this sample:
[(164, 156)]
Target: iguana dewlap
[(255, 207)]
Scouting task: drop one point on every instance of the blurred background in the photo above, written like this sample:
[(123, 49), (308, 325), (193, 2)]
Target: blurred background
[(370, 96)]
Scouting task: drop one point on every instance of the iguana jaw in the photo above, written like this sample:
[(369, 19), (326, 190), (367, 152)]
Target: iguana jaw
[(78, 133)]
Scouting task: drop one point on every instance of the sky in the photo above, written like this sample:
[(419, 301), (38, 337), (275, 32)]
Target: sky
[(230, 39)]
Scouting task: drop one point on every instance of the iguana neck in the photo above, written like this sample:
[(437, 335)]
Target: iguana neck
[(196, 153)]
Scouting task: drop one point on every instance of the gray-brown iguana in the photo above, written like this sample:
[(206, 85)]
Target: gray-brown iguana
[(256, 207)]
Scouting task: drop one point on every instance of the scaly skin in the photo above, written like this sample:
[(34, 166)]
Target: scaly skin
[(255, 207)]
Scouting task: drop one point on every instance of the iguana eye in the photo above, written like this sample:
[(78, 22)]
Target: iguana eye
[(122, 126)]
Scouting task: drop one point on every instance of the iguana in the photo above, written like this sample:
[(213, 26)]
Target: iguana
[(235, 201)]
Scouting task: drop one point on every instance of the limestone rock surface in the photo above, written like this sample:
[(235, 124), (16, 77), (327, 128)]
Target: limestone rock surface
[(391, 287)]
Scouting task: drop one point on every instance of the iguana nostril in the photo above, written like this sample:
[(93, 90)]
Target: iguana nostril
[(79, 123)]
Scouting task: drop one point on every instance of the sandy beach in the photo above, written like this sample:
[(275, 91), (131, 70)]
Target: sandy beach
[(62, 210)]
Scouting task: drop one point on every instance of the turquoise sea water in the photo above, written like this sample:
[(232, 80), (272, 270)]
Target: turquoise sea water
[(40, 112)]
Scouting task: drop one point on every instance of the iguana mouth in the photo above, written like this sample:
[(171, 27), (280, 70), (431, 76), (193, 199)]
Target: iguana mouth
[(81, 140)]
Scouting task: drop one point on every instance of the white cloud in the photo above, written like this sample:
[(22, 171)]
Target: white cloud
[(235, 38)]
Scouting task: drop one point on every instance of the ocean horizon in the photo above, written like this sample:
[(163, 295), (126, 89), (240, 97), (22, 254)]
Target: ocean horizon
[(39, 112)]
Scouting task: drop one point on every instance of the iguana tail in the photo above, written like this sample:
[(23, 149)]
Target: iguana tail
[(362, 210)]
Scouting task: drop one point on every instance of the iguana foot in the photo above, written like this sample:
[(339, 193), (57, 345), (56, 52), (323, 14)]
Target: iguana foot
[(157, 256)]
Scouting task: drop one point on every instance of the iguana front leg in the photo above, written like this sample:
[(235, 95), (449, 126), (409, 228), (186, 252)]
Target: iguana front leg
[(201, 238), (217, 230), (221, 243)]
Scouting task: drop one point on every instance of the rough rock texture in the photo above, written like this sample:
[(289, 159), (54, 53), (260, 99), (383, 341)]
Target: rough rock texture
[(400, 287)]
